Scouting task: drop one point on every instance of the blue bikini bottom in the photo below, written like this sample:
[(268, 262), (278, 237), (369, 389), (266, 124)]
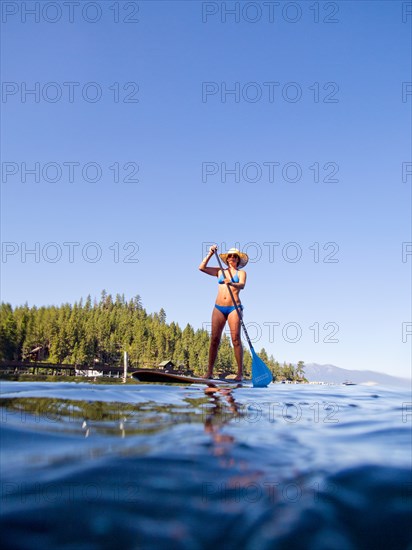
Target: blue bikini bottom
[(227, 309)]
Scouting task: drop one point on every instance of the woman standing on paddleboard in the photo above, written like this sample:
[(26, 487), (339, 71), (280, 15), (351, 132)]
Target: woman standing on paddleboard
[(224, 309)]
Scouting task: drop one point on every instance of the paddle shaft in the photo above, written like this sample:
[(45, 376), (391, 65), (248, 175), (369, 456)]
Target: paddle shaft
[(235, 304)]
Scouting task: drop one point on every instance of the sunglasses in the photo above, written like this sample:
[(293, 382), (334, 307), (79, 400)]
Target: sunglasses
[(232, 256)]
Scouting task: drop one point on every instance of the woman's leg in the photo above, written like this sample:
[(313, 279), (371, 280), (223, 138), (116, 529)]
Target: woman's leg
[(234, 325), (218, 322)]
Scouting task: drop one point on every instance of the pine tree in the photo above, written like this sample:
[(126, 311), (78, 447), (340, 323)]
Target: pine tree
[(8, 333)]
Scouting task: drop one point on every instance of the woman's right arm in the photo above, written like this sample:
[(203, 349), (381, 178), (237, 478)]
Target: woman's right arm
[(203, 266)]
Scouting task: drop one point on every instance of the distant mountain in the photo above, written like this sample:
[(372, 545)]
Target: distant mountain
[(337, 375)]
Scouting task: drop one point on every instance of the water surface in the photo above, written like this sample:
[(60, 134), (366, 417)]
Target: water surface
[(156, 466)]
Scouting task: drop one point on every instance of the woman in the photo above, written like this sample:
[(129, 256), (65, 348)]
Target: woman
[(224, 309)]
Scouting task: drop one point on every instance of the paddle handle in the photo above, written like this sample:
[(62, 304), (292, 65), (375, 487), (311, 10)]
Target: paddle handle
[(235, 304)]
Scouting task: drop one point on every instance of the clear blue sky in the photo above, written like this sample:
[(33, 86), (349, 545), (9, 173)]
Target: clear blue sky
[(314, 100)]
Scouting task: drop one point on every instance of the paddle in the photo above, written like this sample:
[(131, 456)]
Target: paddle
[(261, 374)]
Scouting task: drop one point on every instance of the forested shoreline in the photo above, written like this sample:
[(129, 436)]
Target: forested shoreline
[(92, 333)]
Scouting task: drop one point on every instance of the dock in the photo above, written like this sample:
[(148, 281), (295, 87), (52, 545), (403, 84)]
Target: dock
[(39, 367)]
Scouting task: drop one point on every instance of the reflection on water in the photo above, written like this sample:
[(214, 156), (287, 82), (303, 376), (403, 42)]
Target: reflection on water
[(154, 466), (104, 418)]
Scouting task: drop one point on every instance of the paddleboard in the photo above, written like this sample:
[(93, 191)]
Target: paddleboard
[(147, 375)]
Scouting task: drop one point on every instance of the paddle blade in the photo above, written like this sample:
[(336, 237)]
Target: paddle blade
[(261, 374)]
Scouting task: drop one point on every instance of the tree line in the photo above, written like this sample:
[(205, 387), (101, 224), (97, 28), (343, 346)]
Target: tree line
[(92, 333)]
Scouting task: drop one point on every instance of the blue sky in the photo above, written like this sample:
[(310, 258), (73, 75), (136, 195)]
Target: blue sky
[(313, 102)]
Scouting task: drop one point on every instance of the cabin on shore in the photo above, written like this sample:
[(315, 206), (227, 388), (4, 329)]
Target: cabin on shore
[(167, 365), (38, 353)]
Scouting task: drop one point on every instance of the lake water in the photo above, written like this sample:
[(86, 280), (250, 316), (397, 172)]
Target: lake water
[(89, 466)]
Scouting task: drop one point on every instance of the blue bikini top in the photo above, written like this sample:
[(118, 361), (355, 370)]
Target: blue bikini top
[(222, 277)]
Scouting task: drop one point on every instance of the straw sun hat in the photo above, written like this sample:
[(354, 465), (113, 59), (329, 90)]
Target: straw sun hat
[(244, 258)]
